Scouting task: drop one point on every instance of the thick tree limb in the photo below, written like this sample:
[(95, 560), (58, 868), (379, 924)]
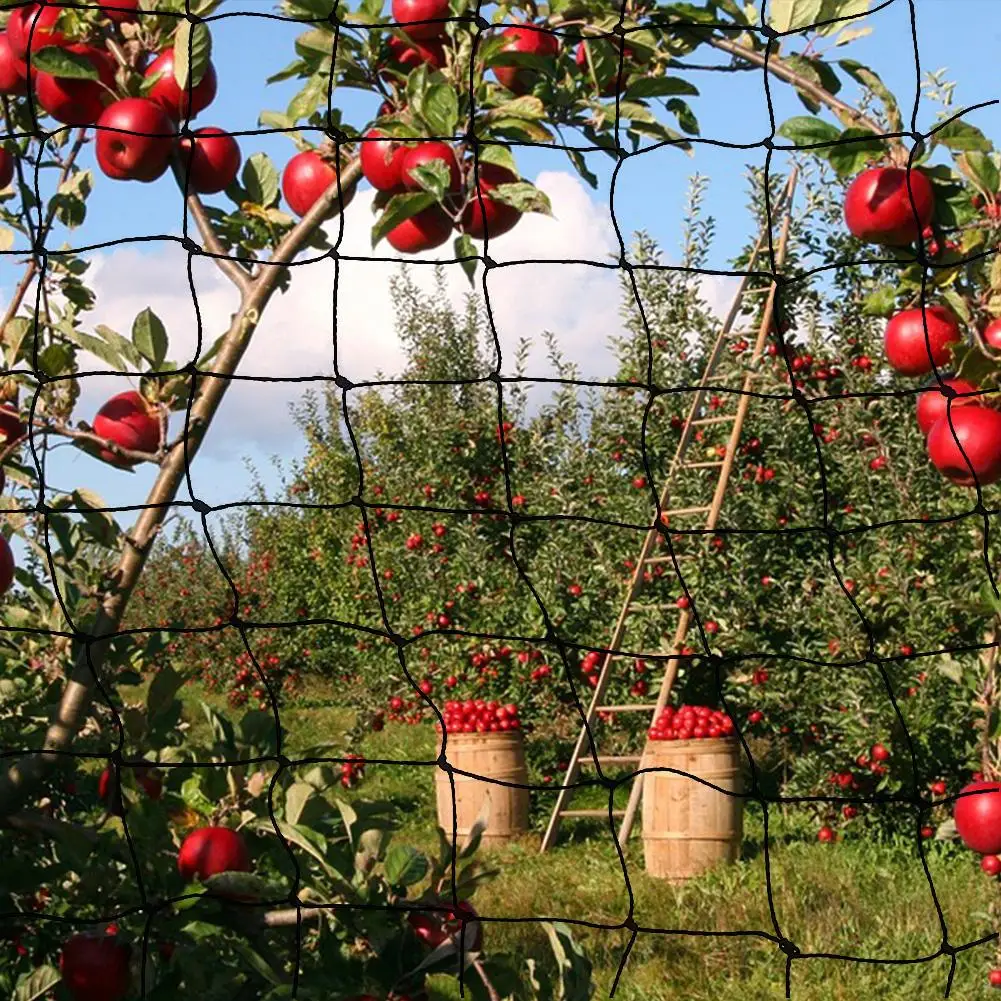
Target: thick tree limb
[(20, 778)]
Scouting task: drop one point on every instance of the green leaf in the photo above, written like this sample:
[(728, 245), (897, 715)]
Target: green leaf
[(194, 798), (255, 961), (960, 135), (61, 62), (296, 797), (982, 170), (793, 15), (525, 197), (805, 130), (165, 685), (441, 109), (399, 209), (434, 177), (855, 149), (56, 359), (405, 866), (261, 179), (13, 337), (882, 302), (500, 156), (660, 86), (121, 345), (686, 117), (36, 984), (100, 523), (868, 78), (465, 254), (150, 337), (573, 966), (193, 39), (817, 72)]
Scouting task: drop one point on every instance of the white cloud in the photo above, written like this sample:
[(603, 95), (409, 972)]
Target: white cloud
[(578, 303)]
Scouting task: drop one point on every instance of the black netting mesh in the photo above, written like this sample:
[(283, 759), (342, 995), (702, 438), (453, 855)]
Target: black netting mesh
[(566, 650)]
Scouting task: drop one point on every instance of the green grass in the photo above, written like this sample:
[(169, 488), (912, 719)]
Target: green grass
[(855, 898)]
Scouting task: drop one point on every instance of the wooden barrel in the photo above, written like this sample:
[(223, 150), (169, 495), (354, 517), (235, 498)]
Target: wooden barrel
[(689, 827), (494, 756)]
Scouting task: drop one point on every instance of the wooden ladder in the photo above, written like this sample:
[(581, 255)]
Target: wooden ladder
[(695, 419)]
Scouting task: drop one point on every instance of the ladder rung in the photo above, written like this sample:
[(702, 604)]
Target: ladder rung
[(715, 420), (702, 465), (637, 606), (757, 291), (704, 509), (613, 759), (592, 813), (633, 707)]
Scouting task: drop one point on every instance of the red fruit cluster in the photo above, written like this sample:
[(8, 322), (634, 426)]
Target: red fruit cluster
[(352, 770), (894, 207), (691, 723), (389, 166), (477, 716), (434, 929)]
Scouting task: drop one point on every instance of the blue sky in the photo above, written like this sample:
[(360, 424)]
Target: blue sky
[(962, 36)]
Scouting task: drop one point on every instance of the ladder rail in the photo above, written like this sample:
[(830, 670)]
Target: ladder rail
[(585, 736), (673, 665)]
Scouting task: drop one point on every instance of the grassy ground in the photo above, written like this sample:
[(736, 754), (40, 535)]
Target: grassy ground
[(855, 898)]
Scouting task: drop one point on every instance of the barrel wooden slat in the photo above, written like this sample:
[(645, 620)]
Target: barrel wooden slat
[(689, 827), (498, 756)]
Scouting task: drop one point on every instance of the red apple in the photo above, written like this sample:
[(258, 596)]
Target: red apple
[(410, 57), (78, 102), (978, 817), (994, 978), (134, 141), (151, 782), (992, 334), (168, 95), (121, 10), (307, 176), (904, 340), (531, 40), (427, 152), (13, 82), (6, 168), (95, 968), (878, 206), (381, 160), (932, 402), (424, 231), (213, 159), (110, 793), (991, 864), (211, 850), (405, 12), (35, 26), (978, 430), (6, 566), (11, 425), (436, 927), (491, 218), (128, 421)]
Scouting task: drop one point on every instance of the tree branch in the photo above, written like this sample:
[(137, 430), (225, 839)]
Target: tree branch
[(18, 780), (848, 115), (229, 267)]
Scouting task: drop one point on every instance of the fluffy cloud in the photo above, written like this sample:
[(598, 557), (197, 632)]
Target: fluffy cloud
[(578, 302)]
